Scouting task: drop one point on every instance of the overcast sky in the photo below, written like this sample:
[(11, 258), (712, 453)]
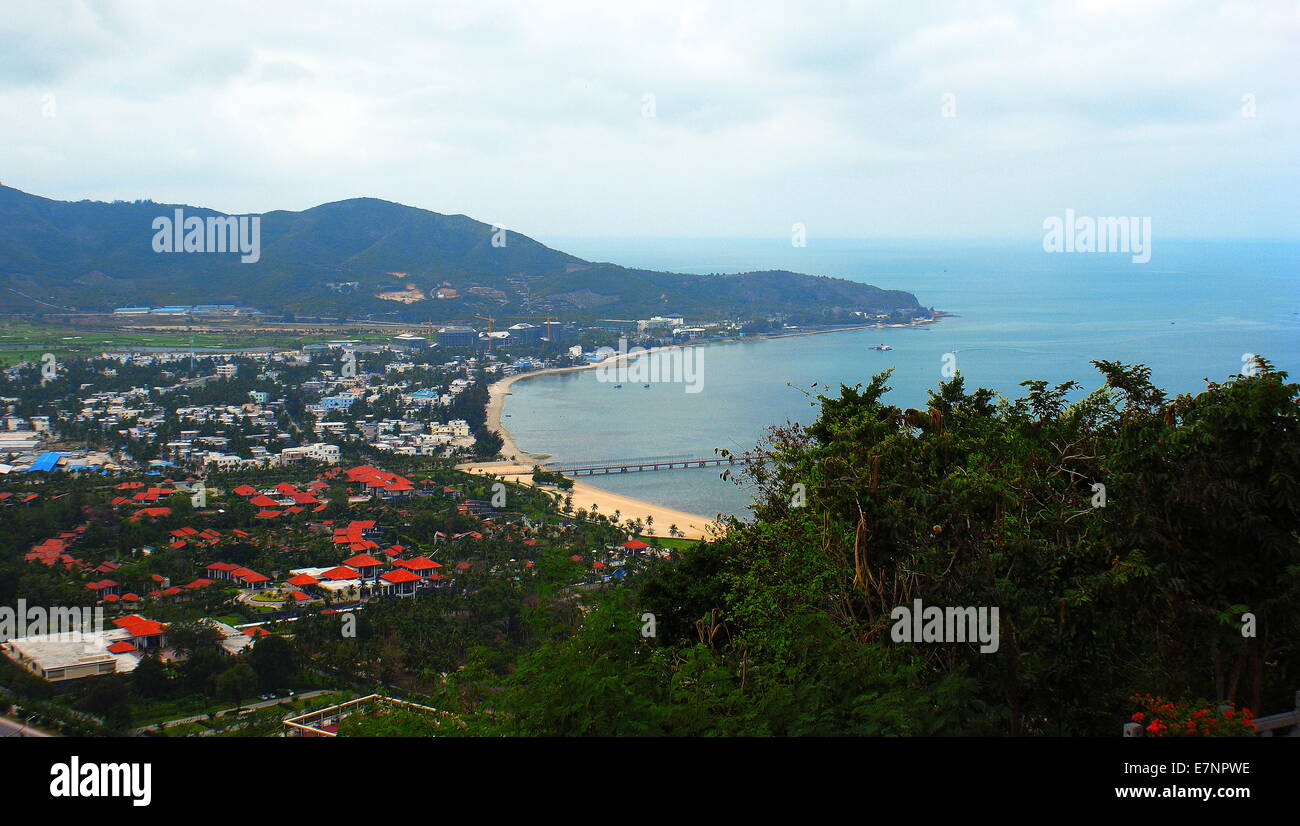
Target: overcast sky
[(534, 116)]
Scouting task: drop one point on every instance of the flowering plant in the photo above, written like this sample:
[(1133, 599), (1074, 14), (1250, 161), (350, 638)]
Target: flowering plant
[(1161, 717)]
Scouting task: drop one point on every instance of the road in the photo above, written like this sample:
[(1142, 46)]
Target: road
[(15, 728), (262, 704)]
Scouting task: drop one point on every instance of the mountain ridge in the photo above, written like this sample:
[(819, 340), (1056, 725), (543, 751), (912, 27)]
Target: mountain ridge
[(369, 257)]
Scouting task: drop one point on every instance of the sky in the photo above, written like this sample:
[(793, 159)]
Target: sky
[(661, 119)]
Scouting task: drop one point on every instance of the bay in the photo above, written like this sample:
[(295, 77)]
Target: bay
[(1194, 311)]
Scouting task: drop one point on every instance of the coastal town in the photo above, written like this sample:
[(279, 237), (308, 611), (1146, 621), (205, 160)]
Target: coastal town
[(200, 501)]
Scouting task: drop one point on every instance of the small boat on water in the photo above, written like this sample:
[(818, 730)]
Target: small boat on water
[(618, 387), (646, 386), (881, 347)]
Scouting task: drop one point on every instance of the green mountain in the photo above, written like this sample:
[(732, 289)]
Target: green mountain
[(364, 257)]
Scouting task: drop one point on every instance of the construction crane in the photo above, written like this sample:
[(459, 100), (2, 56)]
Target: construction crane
[(490, 320)]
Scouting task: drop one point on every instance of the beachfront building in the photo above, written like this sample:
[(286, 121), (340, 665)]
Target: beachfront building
[(618, 325)]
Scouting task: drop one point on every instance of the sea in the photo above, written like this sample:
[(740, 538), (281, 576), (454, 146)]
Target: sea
[(1196, 310)]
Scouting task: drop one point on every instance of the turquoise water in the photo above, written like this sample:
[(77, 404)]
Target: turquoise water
[(1191, 312)]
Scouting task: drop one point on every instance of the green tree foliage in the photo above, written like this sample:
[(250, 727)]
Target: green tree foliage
[(273, 660), (783, 627), (236, 683)]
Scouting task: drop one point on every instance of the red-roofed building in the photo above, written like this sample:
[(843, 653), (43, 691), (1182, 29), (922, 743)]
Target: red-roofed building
[(420, 565), (250, 578), (104, 587), (221, 570), (367, 566), (144, 633), (401, 582), (340, 573)]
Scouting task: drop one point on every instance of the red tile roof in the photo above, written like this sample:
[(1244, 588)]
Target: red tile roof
[(340, 573), (138, 626), (419, 563)]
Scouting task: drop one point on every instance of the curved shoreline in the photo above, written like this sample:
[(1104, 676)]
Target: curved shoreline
[(519, 463)]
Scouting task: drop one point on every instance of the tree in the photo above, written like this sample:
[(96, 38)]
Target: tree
[(273, 660), (1121, 537), (150, 678), (109, 697), (236, 683)]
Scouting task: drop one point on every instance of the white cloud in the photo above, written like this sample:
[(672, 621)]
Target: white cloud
[(531, 114)]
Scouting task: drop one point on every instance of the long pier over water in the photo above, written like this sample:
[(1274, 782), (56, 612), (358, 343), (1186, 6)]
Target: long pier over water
[(604, 467)]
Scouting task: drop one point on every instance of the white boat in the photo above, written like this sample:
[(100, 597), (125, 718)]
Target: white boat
[(881, 347)]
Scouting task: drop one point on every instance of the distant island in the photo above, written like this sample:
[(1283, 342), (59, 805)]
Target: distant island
[(369, 259)]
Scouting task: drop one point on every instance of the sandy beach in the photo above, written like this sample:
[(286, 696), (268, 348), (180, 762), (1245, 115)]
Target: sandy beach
[(517, 464)]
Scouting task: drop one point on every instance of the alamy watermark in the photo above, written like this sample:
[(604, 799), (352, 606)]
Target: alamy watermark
[(637, 365), (74, 778), (61, 623), (1086, 234), (920, 623), (216, 233)]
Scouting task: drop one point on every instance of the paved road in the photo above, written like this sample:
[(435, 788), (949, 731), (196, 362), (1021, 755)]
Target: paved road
[(15, 728), (261, 704)]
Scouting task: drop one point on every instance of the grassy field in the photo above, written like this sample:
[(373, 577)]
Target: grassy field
[(668, 542), (23, 340)]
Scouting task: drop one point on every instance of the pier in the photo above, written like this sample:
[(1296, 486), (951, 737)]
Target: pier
[(647, 464)]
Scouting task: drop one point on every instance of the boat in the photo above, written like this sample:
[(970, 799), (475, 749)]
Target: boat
[(618, 387), (881, 347), (646, 386)]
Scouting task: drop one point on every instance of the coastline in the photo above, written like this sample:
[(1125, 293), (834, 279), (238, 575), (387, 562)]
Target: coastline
[(518, 467), (518, 463)]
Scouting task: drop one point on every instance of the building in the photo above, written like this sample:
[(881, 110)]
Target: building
[(457, 337), (410, 341), (227, 371), (525, 333), (341, 402), (76, 654), (315, 452), (659, 323), (617, 325)]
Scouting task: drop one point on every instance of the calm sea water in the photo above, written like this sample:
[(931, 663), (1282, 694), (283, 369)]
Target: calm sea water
[(1191, 312)]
